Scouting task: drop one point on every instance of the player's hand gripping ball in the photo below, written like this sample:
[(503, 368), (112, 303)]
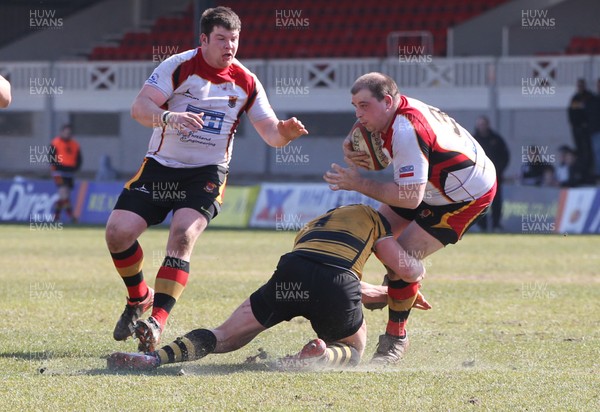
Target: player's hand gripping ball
[(372, 144)]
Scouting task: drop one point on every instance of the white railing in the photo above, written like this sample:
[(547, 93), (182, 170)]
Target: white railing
[(421, 71), (556, 71)]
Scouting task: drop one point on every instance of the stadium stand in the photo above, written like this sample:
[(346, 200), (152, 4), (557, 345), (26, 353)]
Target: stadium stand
[(341, 29), (583, 45)]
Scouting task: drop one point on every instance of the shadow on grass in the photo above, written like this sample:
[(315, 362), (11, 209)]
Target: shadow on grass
[(45, 355), (194, 369)]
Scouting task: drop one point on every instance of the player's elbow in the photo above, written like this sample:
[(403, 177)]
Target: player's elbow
[(5, 101), (135, 111), (412, 203), (410, 196)]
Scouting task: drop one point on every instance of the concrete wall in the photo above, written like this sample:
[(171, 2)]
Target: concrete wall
[(564, 20), (482, 36)]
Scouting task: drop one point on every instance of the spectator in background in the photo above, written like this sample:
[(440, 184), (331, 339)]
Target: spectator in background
[(534, 172), (568, 170), (579, 109), (106, 172), (495, 148), (594, 124), (66, 160), (5, 96)]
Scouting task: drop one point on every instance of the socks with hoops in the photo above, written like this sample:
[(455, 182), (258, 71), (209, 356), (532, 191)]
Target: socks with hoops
[(170, 282), (339, 355), (192, 346), (401, 297), (129, 265)]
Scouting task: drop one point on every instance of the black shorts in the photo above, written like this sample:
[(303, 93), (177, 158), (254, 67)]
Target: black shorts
[(155, 190), (448, 223), (329, 297)]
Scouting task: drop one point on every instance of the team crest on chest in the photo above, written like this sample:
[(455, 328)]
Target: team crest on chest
[(232, 101)]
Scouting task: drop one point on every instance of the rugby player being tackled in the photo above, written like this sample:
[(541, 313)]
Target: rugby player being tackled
[(326, 265), (443, 182)]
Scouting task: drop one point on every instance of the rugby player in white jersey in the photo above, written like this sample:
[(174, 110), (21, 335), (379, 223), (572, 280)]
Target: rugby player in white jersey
[(443, 182), (193, 101)]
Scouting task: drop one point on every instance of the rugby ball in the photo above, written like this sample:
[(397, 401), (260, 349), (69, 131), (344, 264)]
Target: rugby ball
[(372, 144)]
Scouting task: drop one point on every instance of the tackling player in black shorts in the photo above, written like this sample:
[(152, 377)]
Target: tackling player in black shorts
[(320, 280)]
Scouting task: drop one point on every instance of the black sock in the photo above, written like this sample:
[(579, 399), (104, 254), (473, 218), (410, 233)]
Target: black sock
[(192, 346)]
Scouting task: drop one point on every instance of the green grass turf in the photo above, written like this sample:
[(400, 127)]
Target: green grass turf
[(515, 326)]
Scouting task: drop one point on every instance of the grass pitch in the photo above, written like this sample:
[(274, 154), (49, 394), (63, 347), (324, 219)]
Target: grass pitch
[(515, 326)]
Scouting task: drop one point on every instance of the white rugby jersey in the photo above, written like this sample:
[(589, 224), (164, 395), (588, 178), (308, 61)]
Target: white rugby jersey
[(428, 146), (191, 85)]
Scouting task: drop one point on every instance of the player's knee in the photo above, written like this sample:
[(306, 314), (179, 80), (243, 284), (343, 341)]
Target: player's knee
[(118, 238), (184, 237)]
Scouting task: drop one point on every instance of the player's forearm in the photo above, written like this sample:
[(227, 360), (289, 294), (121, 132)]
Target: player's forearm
[(278, 133), (372, 293), (272, 135), (388, 193), (146, 112)]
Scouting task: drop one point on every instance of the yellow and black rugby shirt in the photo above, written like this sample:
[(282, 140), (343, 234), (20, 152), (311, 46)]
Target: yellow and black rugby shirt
[(343, 237)]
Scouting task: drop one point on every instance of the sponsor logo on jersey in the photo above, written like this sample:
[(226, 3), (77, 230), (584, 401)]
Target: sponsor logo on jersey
[(187, 94), (153, 79), (142, 189), (407, 171), (213, 120)]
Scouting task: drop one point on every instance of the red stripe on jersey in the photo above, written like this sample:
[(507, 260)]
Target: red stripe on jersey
[(426, 137), (162, 139), (441, 161), (230, 138), (234, 73)]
